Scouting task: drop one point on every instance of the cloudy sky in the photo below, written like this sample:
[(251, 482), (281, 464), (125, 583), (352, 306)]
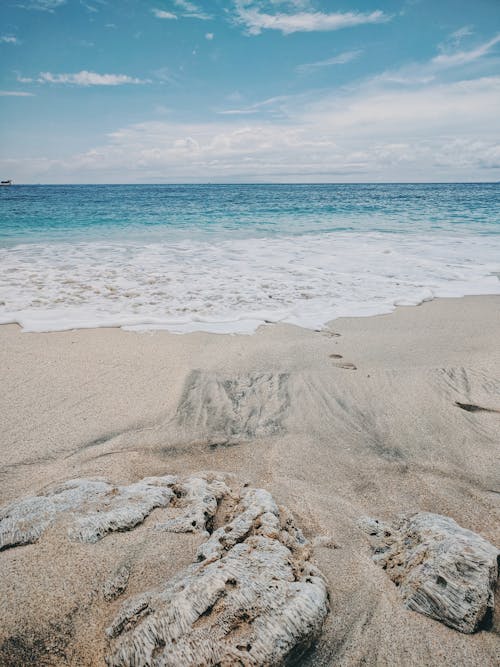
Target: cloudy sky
[(118, 91)]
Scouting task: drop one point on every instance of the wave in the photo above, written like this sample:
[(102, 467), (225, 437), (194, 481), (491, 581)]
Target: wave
[(235, 285)]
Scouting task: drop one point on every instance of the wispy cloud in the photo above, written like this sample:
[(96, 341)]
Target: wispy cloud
[(85, 78), (43, 5), (422, 73), (454, 40), (340, 59), (15, 93), (255, 21), (271, 105), (191, 10), (161, 14), (465, 57), (187, 6), (90, 8), (8, 39)]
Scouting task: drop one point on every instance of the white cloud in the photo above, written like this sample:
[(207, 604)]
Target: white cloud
[(256, 21), (160, 14), (340, 59), (465, 57), (15, 93), (187, 6), (271, 105), (209, 36), (443, 131), (191, 10), (85, 78), (44, 5), (198, 15), (8, 39), (426, 72), (456, 37)]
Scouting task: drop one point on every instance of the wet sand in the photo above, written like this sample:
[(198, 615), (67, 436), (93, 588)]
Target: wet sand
[(370, 416)]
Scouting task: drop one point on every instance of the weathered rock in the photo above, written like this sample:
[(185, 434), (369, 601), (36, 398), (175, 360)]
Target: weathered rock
[(441, 569), (199, 498), (253, 598), (117, 585), (90, 509)]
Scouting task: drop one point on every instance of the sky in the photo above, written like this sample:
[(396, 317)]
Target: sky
[(169, 91)]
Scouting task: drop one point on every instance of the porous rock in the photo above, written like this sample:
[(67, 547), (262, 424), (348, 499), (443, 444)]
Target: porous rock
[(251, 595), (442, 570), (198, 497), (252, 598), (116, 585), (90, 508)]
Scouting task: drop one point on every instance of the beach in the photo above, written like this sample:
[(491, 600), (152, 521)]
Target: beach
[(369, 416), (250, 334)]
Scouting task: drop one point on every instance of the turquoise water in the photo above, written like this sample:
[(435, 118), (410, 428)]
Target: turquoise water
[(230, 257), (164, 212)]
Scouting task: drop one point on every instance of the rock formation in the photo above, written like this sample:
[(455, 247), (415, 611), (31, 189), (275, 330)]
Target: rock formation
[(91, 509), (250, 596), (441, 569)]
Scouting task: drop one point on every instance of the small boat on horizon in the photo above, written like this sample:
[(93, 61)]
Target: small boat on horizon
[(9, 182)]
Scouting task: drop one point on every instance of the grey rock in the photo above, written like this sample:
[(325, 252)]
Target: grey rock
[(90, 508), (199, 498), (442, 570), (252, 598), (117, 585)]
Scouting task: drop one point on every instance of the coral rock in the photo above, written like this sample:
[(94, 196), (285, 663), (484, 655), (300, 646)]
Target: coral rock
[(199, 497), (91, 509), (441, 569), (117, 585), (253, 598)]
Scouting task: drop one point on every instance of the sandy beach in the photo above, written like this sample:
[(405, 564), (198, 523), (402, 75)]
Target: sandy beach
[(358, 419)]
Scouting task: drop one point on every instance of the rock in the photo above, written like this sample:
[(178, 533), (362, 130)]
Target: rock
[(250, 595), (90, 508), (441, 569), (252, 598), (199, 496), (117, 585)]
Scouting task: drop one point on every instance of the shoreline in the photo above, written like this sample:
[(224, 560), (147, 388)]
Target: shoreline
[(249, 327), (359, 419)]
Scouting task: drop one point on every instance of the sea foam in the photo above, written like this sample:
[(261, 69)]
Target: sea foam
[(235, 285)]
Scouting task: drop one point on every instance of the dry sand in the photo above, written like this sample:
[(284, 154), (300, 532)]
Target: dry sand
[(279, 410)]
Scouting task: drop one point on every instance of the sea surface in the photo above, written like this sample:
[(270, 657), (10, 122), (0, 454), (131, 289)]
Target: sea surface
[(228, 258)]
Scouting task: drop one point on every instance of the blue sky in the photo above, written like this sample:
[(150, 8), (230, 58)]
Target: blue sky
[(96, 91)]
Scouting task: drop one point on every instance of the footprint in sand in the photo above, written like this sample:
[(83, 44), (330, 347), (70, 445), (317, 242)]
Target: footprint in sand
[(343, 364), (347, 365)]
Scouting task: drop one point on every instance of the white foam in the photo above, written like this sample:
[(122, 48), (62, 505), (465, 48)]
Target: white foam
[(237, 285)]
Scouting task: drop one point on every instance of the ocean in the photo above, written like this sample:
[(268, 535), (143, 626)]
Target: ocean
[(228, 258)]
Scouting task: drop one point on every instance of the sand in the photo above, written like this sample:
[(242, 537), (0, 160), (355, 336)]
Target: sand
[(358, 419)]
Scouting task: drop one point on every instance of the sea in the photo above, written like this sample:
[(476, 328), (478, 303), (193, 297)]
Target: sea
[(230, 258)]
